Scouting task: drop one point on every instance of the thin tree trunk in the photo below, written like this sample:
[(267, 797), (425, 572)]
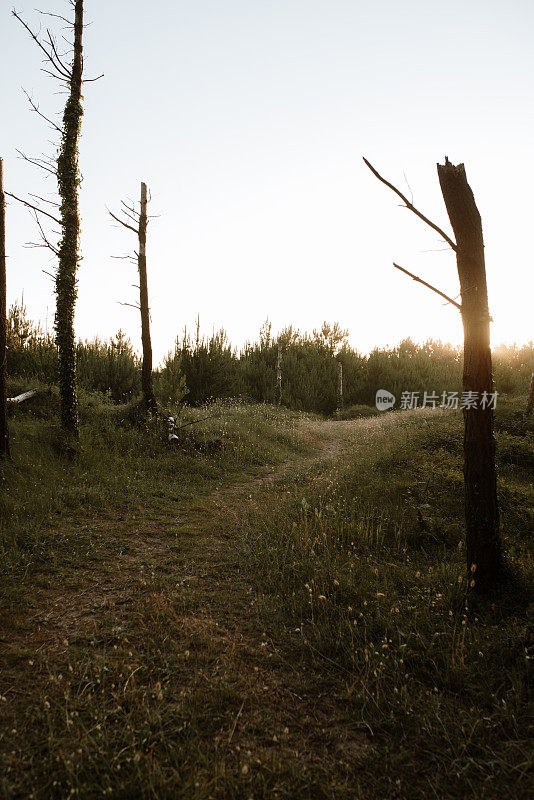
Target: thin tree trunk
[(146, 374), (68, 257), (483, 545), (4, 433)]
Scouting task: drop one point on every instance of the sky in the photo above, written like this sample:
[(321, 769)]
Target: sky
[(248, 120)]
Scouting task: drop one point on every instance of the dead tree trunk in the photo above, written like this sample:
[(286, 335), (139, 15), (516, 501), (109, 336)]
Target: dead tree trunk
[(483, 546), (4, 433), (146, 373), (139, 218)]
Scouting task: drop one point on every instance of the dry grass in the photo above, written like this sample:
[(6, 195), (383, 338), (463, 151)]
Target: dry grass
[(258, 614)]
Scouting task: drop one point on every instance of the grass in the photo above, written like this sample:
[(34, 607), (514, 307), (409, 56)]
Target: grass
[(371, 566), (274, 609)]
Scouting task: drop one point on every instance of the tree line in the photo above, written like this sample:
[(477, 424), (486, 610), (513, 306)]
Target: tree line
[(201, 368)]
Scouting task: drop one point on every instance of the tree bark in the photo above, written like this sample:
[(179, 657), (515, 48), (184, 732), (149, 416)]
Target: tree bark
[(146, 373), (4, 432), (483, 545), (340, 385), (68, 257)]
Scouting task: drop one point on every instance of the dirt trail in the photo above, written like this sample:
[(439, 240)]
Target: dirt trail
[(190, 562), (76, 610)]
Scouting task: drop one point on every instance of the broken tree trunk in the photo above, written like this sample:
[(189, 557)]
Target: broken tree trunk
[(483, 545), (146, 373), (4, 433)]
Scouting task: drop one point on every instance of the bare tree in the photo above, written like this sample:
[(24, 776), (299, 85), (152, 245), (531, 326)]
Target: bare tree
[(140, 221), (66, 170), (4, 432), (483, 544)]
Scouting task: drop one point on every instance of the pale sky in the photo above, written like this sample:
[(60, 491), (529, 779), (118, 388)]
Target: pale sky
[(248, 120)]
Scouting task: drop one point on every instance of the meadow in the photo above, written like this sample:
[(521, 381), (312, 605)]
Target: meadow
[(275, 607)]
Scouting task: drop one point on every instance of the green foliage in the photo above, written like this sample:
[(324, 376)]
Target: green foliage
[(109, 367), (31, 353), (169, 381), (208, 367)]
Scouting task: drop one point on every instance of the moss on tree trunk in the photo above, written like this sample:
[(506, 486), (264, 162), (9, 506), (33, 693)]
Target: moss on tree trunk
[(68, 257)]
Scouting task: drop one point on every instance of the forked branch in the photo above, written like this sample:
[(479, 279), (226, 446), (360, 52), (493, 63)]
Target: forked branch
[(122, 222), (33, 207)]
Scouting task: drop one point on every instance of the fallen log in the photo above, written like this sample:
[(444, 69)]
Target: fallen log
[(20, 398)]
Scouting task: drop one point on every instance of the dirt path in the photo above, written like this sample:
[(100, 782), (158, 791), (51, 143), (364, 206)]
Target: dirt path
[(185, 574), (75, 609)]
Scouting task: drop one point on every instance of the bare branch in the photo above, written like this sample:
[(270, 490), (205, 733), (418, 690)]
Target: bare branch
[(131, 209), (125, 258), (121, 222), (35, 108), (57, 16), (56, 54), (56, 77), (429, 286), (43, 163), (34, 208), (65, 74), (44, 237), (411, 207), (44, 200), (133, 216), (131, 305)]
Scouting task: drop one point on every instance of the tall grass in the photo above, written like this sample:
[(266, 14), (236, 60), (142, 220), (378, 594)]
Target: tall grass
[(370, 566)]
